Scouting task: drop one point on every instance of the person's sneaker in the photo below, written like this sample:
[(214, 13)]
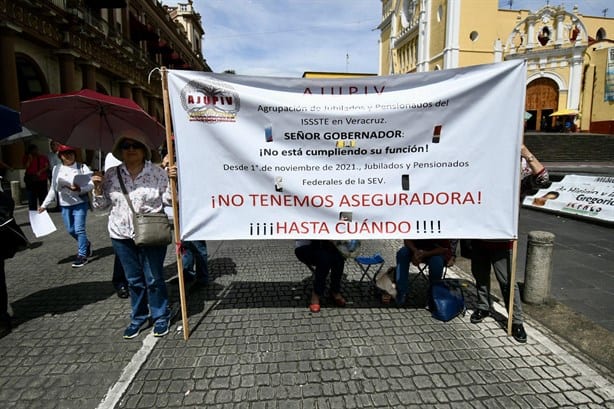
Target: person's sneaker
[(161, 328), (80, 261), (132, 330), (478, 316), (122, 292), (519, 333), (90, 251)]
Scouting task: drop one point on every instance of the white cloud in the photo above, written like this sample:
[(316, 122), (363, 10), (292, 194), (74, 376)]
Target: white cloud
[(274, 38)]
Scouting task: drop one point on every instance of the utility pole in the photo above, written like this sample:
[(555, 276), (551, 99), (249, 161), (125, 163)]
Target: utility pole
[(347, 62)]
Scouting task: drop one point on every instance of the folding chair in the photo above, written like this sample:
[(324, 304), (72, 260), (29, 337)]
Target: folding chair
[(370, 266), (423, 272)]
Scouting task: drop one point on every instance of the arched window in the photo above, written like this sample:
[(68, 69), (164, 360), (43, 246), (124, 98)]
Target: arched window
[(30, 78), (601, 34)]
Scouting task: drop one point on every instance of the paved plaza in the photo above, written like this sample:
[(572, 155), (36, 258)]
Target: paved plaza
[(254, 344)]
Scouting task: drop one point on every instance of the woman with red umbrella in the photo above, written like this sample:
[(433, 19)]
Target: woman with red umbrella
[(147, 188)]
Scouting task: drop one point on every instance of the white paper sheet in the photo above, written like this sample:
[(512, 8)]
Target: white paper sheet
[(41, 223)]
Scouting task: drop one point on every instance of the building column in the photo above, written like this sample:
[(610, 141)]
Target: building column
[(575, 79), (9, 89), (530, 33), (9, 84), (137, 95), (424, 37), (560, 29), (125, 89), (151, 108), (451, 50), (89, 75), (67, 70)]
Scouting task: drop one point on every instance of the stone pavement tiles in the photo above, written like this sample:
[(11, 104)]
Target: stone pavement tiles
[(254, 344)]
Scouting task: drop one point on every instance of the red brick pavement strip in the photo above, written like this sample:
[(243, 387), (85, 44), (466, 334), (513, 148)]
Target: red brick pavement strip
[(254, 344)]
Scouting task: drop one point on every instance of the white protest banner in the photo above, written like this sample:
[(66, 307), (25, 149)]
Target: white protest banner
[(424, 155), (590, 197)]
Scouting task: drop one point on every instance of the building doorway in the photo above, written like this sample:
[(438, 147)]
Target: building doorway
[(542, 100)]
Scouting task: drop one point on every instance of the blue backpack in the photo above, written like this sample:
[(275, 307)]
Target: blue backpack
[(447, 300)]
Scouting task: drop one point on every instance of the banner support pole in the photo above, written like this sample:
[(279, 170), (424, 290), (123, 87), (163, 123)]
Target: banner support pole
[(173, 181), (512, 284)]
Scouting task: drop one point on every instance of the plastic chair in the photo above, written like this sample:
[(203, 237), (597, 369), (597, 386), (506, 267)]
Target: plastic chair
[(370, 266)]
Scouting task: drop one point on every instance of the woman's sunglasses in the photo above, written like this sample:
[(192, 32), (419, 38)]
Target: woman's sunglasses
[(133, 145)]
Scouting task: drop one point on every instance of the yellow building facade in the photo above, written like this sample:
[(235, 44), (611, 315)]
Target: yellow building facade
[(570, 57)]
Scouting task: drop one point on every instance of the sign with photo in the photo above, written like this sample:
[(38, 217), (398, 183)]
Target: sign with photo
[(589, 197)]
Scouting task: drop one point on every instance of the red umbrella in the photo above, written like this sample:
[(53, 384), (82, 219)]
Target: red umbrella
[(88, 119)]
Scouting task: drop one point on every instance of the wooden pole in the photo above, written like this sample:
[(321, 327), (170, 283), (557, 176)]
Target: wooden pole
[(512, 284), (171, 159)]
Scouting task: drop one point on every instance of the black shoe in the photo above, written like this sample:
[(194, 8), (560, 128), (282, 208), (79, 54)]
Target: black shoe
[(519, 333), (122, 292), (5, 327), (479, 315), (79, 262)]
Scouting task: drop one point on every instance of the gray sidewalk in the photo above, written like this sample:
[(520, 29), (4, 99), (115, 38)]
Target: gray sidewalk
[(254, 344)]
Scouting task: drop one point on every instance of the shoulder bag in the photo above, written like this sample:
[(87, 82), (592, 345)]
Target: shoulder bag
[(150, 229), (446, 300)]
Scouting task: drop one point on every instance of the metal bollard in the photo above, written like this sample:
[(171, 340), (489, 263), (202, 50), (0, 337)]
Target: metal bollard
[(538, 267), (16, 192)]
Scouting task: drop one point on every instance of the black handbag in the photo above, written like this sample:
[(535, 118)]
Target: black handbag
[(13, 239), (150, 229), (11, 236)]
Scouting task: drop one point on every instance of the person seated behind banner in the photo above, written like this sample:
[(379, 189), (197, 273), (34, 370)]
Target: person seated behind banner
[(325, 258), (433, 252), (453, 250), (194, 261), (194, 252)]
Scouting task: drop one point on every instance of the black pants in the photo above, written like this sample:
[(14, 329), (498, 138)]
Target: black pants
[(36, 193), (326, 258), (4, 297)]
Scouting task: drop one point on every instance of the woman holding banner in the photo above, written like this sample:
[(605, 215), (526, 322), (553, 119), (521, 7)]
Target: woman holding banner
[(499, 253), (148, 188)]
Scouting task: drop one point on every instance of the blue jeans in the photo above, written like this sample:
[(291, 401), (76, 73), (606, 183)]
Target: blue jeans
[(119, 277), (194, 259), (144, 268), (404, 256), (74, 220)]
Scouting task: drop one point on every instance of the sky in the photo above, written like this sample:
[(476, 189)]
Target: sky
[(285, 38)]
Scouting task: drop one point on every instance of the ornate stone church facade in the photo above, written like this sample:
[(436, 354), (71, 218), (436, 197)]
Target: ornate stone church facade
[(570, 57)]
